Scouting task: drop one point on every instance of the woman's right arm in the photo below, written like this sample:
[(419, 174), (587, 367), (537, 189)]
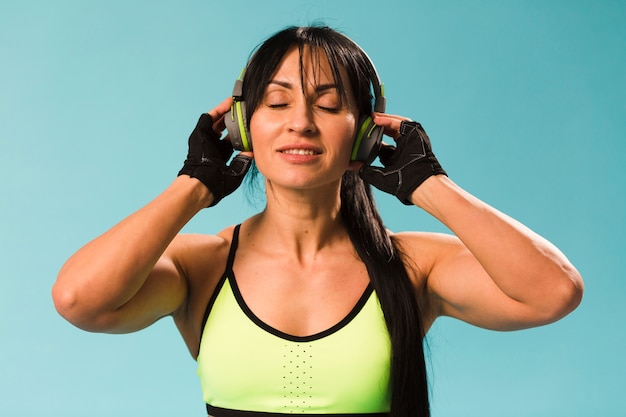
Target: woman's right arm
[(131, 276), (126, 279)]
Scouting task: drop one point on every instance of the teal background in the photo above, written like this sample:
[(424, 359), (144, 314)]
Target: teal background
[(524, 102)]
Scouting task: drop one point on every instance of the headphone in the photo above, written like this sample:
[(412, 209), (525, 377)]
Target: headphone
[(366, 142)]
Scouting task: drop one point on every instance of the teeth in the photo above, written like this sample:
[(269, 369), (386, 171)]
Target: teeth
[(299, 152)]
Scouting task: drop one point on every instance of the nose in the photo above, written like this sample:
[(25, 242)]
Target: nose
[(301, 118)]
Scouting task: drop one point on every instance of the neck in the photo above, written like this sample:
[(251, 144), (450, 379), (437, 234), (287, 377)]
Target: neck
[(301, 221)]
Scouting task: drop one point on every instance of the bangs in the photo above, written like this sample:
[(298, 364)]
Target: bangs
[(318, 57), (320, 45)]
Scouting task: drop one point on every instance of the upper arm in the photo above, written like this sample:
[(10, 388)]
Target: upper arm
[(180, 283), (456, 285), (162, 293), (165, 291)]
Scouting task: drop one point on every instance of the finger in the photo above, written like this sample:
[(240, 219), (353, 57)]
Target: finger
[(393, 132), (385, 118), (218, 111), (390, 123), (219, 125), (218, 114), (390, 116)]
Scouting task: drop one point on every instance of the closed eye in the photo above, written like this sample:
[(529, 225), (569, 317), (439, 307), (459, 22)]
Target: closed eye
[(329, 109)]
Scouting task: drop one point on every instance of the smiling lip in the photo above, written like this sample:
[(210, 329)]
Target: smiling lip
[(299, 150)]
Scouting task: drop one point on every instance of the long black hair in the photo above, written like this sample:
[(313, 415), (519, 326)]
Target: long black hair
[(379, 252)]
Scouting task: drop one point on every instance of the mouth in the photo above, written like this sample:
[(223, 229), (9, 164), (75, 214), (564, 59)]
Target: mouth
[(306, 152)]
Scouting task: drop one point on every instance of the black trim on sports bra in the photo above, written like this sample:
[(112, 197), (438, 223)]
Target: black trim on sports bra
[(220, 284), (230, 276), (335, 328), (227, 412)]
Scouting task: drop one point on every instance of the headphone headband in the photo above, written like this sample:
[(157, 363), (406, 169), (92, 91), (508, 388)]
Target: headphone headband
[(380, 102)]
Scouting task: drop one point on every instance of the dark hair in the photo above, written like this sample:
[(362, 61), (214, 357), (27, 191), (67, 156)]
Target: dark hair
[(342, 53), (385, 266)]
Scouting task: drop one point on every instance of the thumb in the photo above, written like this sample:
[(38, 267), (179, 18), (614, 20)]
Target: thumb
[(386, 154), (372, 175), (240, 165)]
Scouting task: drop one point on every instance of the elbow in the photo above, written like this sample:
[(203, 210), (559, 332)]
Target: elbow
[(76, 310), (574, 291), (566, 296), (66, 302)]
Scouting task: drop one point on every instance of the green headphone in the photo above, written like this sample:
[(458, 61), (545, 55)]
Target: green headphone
[(366, 143)]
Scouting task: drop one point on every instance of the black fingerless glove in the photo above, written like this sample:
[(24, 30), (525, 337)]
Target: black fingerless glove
[(406, 165), (207, 157)]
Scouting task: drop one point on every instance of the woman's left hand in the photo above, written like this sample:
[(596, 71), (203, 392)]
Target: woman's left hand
[(406, 165)]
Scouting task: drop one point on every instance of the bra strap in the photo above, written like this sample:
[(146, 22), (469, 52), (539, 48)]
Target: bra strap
[(233, 248), (227, 272)]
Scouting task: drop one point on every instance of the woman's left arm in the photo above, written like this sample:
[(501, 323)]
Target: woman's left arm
[(495, 272)]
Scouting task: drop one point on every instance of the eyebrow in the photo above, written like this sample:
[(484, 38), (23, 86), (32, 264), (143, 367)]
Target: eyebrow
[(318, 88)]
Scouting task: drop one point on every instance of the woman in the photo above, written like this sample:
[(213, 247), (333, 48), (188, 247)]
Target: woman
[(312, 306)]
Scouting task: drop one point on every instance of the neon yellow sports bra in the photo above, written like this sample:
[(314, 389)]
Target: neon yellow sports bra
[(247, 368)]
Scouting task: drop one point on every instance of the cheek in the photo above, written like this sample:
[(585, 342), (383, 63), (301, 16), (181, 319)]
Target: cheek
[(254, 127), (259, 134), (349, 131), (260, 129)]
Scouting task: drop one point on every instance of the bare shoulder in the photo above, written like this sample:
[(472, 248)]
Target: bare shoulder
[(198, 257), (425, 248), (186, 246), (422, 252), (201, 259)]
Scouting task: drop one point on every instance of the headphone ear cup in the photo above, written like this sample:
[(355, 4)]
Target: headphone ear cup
[(237, 126), (367, 141)]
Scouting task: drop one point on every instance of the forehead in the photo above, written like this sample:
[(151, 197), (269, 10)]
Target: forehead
[(310, 65)]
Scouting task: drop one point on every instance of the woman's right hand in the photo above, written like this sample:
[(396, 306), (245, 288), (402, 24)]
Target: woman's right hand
[(208, 154)]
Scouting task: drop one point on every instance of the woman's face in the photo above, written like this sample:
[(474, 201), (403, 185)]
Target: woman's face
[(303, 135)]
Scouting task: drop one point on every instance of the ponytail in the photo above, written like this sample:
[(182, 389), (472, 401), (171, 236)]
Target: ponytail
[(389, 278)]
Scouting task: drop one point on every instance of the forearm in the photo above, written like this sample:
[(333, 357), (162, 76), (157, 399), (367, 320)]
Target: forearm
[(107, 272), (525, 266)]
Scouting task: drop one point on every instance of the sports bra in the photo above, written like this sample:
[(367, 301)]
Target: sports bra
[(248, 368)]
